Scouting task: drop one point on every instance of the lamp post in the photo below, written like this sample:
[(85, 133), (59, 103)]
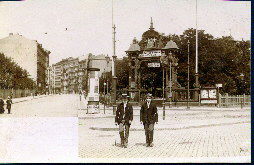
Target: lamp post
[(170, 79), (104, 95), (163, 88), (114, 71), (188, 92), (114, 86), (107, 60), (242, 92)]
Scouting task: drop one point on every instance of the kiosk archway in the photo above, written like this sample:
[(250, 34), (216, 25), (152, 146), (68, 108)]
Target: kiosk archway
[(147, 60)]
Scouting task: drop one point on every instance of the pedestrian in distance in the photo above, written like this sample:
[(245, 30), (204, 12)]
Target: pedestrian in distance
[(123, 118), (148, 117), (1, 106), (8, 102)]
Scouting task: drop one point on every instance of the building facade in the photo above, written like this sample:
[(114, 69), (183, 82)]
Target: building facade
[(29, 55), (70, 74)]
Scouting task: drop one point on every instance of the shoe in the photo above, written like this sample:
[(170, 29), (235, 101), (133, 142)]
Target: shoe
[(122, 145), (147, 145), (151, 145), (125, 144)]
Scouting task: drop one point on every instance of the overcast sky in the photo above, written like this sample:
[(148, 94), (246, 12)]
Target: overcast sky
[(89, 22)]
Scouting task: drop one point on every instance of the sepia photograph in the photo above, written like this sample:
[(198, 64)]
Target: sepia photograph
[(125, 81)]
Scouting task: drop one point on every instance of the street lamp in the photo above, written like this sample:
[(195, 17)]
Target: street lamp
[(164, 63), (107, 59), (114, 85), (170, 79), (163, 88), (188, 92), (242, 92), (242, 80), (114, 70), (104, 95)]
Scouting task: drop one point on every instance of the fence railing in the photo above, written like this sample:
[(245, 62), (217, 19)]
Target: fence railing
[(16, 93), (232, 101)]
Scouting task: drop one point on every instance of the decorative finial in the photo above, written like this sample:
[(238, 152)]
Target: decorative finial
[(151, 24), (134, 41)]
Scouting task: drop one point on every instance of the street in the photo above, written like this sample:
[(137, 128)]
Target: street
[(40, 129), (47, 106), (208, 134)]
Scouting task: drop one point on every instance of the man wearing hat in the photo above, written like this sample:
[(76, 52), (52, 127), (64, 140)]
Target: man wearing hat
[(149, 116), (9, 102), (124, 117)]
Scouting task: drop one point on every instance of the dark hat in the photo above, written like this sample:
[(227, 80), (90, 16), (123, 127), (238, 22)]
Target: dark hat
[(149, 95), (125, 95)]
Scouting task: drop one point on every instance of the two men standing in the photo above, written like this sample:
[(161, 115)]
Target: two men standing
[(148, 116)]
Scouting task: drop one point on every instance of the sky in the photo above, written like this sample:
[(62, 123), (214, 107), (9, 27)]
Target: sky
[(89, 22)]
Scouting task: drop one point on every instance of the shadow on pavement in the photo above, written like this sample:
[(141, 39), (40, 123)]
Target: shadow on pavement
[(140, 144)]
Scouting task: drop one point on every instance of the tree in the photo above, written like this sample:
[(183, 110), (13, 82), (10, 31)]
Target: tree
[(122, 73), (221, 60), (13, 76), (104, 78)]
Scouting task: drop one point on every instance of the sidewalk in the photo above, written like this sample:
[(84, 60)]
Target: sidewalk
[(82, 112), (83, 106), (28, 98)]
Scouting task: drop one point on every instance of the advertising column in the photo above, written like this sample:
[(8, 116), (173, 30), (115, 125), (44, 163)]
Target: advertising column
[(93, 92)]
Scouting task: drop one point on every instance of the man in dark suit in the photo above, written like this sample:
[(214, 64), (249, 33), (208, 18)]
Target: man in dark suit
[(124, 117), (1, 105), (9, 102), (149, 116)]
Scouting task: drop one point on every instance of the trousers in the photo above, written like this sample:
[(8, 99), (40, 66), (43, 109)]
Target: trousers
[(149, 132), (124, 132)]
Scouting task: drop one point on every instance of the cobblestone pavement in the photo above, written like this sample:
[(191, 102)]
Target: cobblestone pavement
[(184, 134)]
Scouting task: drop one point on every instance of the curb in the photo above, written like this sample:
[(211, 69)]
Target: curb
[(174, 129), (30, 99)]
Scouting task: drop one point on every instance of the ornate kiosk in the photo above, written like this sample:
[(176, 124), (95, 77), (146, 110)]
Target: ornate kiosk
[(155, 56)]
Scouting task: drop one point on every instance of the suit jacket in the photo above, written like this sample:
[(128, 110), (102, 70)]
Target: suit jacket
[(1, 103), (1, 106), (8, 102), (148, 114), (120, 115)]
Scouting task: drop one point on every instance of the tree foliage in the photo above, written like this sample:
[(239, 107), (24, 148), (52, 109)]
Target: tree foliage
[(106, 77), (13, 76)]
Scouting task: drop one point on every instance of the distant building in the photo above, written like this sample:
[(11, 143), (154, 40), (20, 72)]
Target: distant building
[(99, 61), (29, 55), (70, 73), (57, 70), (50, 80)]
